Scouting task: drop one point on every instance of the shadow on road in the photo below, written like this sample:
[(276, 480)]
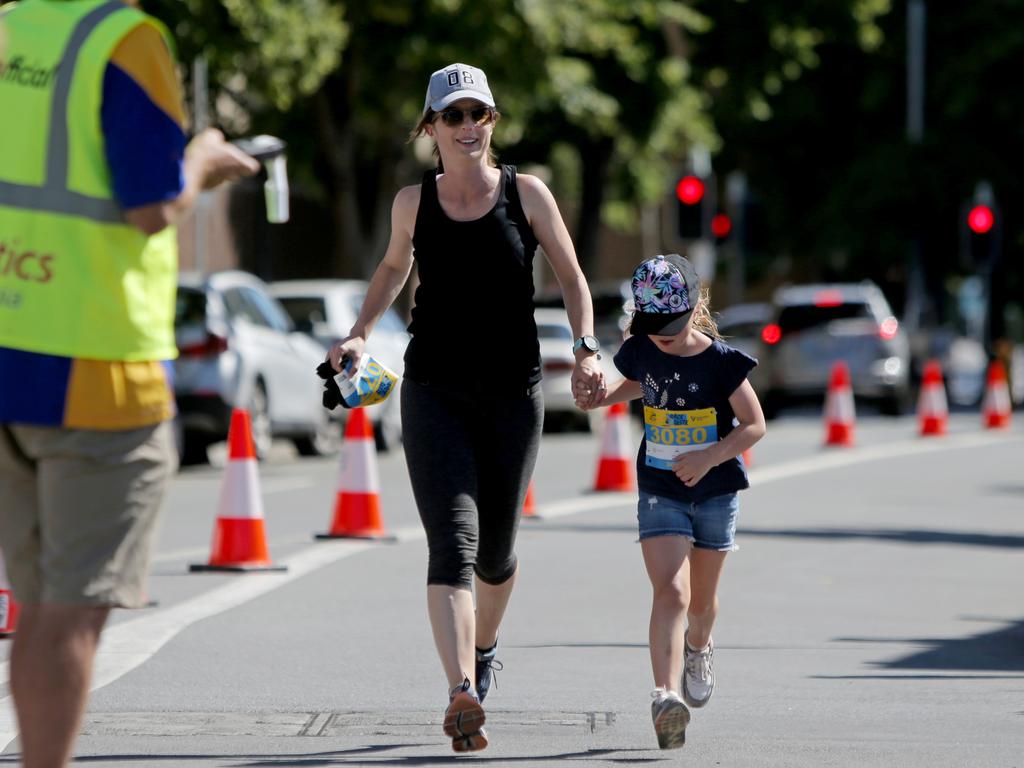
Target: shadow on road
[(894, 535), (1000, 650), (357, 756), (579, 645), (1007, 490), (579, 528), (605, 755)]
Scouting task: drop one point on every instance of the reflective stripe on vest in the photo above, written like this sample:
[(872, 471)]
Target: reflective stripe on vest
[(54, 196), (76, 280)]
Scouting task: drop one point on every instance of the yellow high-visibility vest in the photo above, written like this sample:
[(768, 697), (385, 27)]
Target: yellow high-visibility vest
[(75, 279)]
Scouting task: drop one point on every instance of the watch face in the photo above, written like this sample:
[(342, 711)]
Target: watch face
[(590, 343)]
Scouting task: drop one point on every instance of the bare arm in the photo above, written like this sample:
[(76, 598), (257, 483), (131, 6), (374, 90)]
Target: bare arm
[(691, 467), (388, 279), (620, 391), (546, 222), (209, 162)]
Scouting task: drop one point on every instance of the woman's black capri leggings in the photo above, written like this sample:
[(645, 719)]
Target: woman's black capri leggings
[(470, 456)]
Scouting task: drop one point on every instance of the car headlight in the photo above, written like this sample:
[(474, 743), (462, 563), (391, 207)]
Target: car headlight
[(889, 368)]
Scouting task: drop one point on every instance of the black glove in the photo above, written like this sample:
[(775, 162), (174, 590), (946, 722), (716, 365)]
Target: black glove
[(332, 395)]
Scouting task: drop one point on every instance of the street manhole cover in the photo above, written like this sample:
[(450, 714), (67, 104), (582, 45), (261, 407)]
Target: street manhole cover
[(319, 724)]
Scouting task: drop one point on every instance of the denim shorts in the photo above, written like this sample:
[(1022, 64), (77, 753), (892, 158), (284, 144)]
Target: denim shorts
[(709, 524)]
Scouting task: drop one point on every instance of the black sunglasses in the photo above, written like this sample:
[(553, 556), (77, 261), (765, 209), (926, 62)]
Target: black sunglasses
[(479, 116)]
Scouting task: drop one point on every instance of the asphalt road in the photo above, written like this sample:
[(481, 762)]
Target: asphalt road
[(872, 617)]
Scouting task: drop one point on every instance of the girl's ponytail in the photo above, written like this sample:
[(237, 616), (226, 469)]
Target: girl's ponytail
[(703, 320)]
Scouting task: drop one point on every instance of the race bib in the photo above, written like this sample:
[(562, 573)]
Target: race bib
[(671, 433)]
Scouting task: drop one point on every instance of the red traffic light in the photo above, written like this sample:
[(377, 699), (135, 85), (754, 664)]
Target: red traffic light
[(721, 225), (690, 190), (771, 334), (980, 219)]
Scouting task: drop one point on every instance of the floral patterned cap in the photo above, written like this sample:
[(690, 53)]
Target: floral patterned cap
[(665, 291)]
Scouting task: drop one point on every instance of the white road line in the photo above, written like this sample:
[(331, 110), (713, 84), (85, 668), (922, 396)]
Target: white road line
[(833, 458), (201, 554), (128, 644)]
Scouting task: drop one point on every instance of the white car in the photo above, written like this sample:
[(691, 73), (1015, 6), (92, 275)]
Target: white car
[(326, 310), (557, 363), (238, 349)]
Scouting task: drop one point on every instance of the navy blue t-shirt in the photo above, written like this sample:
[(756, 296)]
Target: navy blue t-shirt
[(686, 406)]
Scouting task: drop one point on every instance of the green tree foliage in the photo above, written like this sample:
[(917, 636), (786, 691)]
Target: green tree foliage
[(814, 112), (265, 54), (780, 77), (806, 97), (606, 81), (618, 94), (362, 116)]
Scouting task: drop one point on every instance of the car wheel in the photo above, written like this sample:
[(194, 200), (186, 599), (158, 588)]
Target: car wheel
[(179, 438), (193, 447), (259, 416), (590, 421), (770, 404), (325, 440), (896, 404)]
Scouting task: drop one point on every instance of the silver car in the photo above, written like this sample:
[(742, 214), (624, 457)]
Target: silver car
[(239, 349), (557, 363), (814, 326), (326, 310)]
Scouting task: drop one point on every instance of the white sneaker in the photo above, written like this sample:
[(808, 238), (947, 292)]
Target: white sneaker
[(670, 717), (698, 674)]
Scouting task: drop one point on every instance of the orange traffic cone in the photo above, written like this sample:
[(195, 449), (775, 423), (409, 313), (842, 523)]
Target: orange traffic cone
[(357, 503), (529, 506), (839, 411), (748, 458), (615, 468), (8, 606), (239, 536), (996, 407), (932, 409)]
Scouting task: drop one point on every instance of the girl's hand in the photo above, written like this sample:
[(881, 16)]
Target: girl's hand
[(589, 402), (351, 347), (588, 384), (692, 466)]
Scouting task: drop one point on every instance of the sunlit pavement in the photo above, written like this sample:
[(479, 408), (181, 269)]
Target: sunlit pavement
[(867, 619)]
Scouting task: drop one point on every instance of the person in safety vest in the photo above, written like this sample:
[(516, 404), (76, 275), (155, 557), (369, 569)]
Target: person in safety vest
[(94, 172)]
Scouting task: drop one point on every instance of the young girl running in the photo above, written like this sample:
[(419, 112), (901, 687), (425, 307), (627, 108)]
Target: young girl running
[(700, 414)]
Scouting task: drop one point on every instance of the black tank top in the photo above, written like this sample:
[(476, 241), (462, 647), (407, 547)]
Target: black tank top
[(472, 324)]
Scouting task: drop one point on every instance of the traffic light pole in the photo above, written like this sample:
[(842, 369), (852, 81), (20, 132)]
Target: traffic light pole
[(736, 197), (985, 222), (916, 16)]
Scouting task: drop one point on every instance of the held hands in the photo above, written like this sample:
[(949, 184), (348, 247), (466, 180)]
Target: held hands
[(351, 347), (690, 467), (588, 385)]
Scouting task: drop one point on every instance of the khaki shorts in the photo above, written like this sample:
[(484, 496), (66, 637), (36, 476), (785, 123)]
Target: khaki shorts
[(78, 509)]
